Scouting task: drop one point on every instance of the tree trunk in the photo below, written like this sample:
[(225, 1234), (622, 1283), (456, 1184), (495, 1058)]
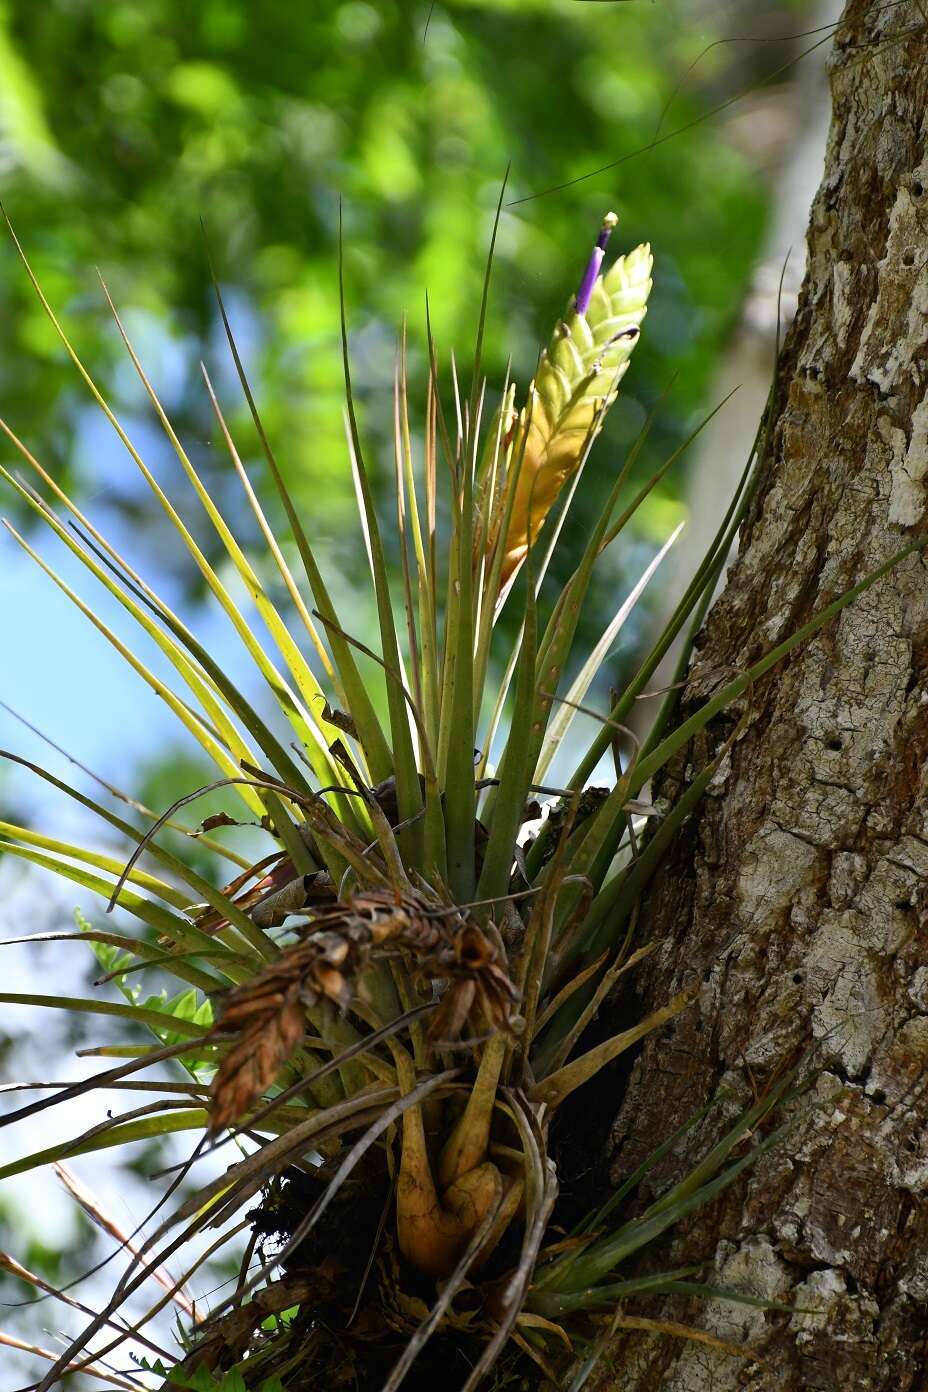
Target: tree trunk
[(716, 459), (798, 894)]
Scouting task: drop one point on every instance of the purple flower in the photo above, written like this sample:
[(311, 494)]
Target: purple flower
[(585, 293)]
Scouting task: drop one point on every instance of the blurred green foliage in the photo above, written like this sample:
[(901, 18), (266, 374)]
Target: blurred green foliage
[(124, 122)]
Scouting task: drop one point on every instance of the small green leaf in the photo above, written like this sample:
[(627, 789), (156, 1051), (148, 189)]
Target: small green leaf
[(149, 1014)]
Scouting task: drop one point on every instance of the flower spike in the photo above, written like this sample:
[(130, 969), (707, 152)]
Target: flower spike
[(577, 381), (585, 293)]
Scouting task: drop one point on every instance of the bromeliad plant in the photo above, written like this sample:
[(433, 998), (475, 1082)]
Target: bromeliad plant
[(391, 1005)]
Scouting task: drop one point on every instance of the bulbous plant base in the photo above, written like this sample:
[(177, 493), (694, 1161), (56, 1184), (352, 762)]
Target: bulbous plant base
[(360, 1300), (433, 1230)]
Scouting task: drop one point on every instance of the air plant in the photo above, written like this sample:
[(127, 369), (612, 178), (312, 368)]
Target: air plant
[(389, 1008)]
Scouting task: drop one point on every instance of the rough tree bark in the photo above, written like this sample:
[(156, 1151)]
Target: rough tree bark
[(799, 894), (801, 109)]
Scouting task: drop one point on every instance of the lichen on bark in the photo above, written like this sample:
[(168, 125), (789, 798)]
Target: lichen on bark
[(798, 895)]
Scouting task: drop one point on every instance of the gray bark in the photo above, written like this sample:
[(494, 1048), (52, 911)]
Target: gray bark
[(799, 893)]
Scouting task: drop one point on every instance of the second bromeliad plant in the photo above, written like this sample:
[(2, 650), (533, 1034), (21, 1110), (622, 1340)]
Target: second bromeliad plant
[(445, 940)]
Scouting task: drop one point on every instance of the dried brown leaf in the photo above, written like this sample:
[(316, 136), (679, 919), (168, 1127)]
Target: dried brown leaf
[(329, 963), (269, 1016)]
